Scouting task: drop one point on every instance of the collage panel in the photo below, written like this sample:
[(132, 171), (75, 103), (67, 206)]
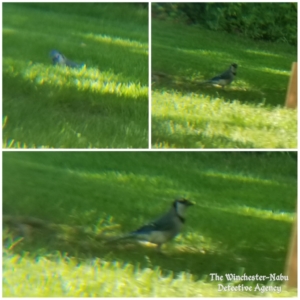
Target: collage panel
[(148, 224), (75, 75), (220, 75)]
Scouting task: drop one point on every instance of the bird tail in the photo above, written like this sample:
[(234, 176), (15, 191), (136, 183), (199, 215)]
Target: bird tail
[(120, 238), (72, 64), (204, 82)]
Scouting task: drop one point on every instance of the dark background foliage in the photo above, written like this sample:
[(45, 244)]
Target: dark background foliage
[(276, 22)]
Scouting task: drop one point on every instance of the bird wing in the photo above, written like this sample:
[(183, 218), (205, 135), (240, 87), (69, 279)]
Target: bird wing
[(224, 75), (164, 223), (59, 58), (71, 64), (217, 78)]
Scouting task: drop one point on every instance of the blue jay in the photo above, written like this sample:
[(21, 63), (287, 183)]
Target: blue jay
[(164, 228), (225, 78), (60, 59)]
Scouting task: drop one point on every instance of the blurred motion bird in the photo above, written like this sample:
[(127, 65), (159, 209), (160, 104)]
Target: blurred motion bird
[(60, 59), (164, 228), (225, 78)]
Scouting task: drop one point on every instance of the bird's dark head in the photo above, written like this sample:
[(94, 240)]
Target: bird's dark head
[(180, 206), (54, 53), (233, 68), (183, 201)]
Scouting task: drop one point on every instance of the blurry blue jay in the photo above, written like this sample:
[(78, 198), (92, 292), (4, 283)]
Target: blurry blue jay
[(225, 78), (164, 228), (60, 59)]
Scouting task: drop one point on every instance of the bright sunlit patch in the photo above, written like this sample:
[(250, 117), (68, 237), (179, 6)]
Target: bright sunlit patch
[(84, 79), (264, 213), (123, 177), (264, 53), (128, 179), (11, 143), (6, 30), (273, 71), (239, 177), (117, 41), (206, 118), (258, 212)]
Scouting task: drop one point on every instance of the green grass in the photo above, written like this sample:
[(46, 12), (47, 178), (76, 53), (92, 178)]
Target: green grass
[(247, 114), (103, 105), (245, 207)]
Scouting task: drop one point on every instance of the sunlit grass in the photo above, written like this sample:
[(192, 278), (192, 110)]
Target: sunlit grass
[(239, 177), (264, 53), (244, 210), (141, 47), (19, 145), (84, 79), (200, 121), (274, 71), (247, 114), (62, 277), (266, 214)]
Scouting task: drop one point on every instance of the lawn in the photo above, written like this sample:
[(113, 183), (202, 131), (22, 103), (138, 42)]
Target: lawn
[(247, 114), (101, 105), (241, 223)]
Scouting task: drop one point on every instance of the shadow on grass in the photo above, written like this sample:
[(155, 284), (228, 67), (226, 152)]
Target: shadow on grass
[(67, 117), (249, 255), (229, 93)]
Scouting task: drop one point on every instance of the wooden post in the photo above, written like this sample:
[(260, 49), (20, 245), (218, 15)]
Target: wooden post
[(291, 264), (291, 96)]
